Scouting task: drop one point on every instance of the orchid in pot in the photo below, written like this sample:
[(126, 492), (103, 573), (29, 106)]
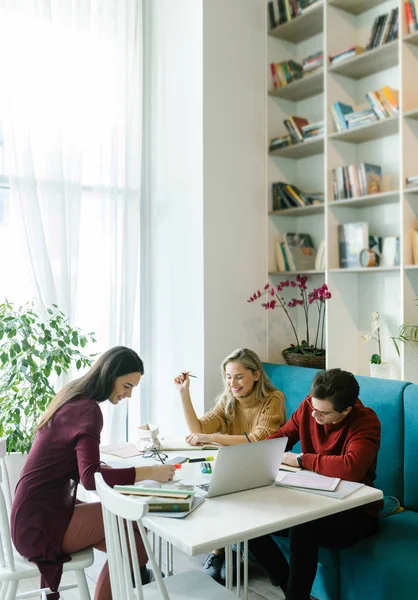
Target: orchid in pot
[(378, 368), (309, 352)]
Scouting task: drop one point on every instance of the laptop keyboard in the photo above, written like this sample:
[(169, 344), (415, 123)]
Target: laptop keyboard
[(204, 487)]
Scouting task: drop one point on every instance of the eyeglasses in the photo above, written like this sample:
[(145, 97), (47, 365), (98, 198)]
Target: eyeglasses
[(154, 453), (323, 414)]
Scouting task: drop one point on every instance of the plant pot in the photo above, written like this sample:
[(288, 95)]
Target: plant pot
[(14, 464), (382, 370), (297, 359)]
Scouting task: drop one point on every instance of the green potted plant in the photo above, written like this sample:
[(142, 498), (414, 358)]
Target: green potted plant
[(305, 352), (407, 333), (34, 353)]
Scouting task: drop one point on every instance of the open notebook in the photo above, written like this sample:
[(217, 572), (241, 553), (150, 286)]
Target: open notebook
[(179, 443)]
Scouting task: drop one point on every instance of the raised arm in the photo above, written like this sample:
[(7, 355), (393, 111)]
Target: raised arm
[(182, 383)]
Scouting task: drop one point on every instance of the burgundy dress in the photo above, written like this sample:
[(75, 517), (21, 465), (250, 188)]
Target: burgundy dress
[(65, 452)]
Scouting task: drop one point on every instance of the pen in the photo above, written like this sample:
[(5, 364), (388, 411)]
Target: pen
[(248, 439), (189, 374), (201, 459)]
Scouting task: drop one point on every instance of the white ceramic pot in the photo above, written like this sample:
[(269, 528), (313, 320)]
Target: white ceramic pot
[(14, 465), (382, 370)]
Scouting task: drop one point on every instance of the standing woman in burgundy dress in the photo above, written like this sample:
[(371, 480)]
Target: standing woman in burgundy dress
[(46, 522)]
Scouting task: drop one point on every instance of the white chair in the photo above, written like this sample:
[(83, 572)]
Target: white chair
[(14, 568), (119, 514)]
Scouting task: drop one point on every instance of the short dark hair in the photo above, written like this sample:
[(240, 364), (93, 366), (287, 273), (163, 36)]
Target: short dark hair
[(339, 387)]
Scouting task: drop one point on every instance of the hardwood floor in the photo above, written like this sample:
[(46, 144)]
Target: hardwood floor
[(259, 584)]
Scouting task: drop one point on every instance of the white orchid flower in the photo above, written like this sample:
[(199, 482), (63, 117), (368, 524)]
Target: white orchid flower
[(366, 337)]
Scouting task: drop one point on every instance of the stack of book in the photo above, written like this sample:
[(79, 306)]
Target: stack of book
[(412, 182), (285, 72), (354, 181), (411, 13), (345, 54), (313, 62), (384, 103), (160, 499), (385, 29), (280, 142), (313, 130), (295, 253), (282, 11), (286, 195)]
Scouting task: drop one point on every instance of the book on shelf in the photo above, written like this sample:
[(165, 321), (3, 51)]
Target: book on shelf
[(338, 112), (280, 142), (383, 103), (355, 181), (300, 252), (282, 11), (294, 126), (313, 130), (285, 72), (352, 239), (313, 62), (411, 15), (286, 195), (385, 29), (345, 54)]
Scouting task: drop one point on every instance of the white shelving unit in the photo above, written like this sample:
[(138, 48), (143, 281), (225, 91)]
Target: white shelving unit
[(334, 25)]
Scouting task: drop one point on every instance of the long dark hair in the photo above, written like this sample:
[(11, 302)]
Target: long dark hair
[(97, 383)]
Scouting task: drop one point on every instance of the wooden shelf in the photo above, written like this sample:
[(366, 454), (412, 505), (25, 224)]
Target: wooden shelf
[(308, 24), (355, 7), (287, 273), (373, 131), (309, 85), (370, 200), (301, 150), (411, 114), (298, 211), (368, 63), (411, 38), (366, 270)]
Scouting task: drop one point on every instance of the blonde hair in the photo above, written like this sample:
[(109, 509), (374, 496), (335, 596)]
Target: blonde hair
[(263, 388)]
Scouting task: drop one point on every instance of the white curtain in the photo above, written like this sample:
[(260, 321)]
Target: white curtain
[(71, 114)]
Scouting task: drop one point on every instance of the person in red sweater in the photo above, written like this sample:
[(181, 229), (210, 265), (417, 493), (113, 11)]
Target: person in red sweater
[(47, 523), (339, 437)]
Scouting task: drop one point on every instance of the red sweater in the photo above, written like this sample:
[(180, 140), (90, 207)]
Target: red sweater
[(347, 449), (64, 452)]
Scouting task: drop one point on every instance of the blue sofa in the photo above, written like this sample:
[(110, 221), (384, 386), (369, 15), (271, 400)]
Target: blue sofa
[(385, 566)]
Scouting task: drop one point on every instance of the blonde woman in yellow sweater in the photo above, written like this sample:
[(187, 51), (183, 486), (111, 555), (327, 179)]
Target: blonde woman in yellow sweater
[(249, 404)]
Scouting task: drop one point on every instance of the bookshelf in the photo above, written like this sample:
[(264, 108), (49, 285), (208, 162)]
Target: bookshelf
[(334, 25)]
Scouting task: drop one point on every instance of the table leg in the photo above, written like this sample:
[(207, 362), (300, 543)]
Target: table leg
[(169, 559), (245, 557), (228, 567)]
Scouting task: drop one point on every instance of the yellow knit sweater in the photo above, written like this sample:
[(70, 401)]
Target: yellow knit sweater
[(258, 419)]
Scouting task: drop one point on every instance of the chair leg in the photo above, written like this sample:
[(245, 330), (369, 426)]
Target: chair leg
[(83, 588), (3, 590), (12, 590)]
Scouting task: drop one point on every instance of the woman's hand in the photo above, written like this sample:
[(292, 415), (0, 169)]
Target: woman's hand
[(182, 382), (163, 473), (197, 439)]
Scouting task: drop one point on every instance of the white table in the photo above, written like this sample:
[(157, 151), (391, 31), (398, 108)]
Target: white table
[(234, 518)]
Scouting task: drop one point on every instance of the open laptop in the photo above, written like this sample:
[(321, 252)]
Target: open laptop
[(244, 467)]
